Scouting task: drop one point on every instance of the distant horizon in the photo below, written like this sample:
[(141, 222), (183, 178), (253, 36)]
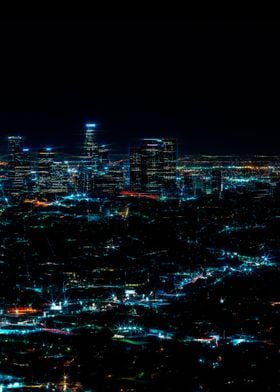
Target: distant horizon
[(74, 141), (212, 84)]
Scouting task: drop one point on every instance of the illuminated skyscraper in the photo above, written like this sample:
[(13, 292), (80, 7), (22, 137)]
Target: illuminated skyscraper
[(94, 165), (44, 170), (91, 150), (169, 165), (198, 185), (15, 149), (103, 158), (19, 166), (59, 178), (89, 164), (135, 169), (153, 166), (217, 182)]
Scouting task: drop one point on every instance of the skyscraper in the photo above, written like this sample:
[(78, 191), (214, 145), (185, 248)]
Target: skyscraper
[(14, 149), (153, 166), (169, 165), (94, 165), (217, 182), (91, 150), (135, 160), (103, 158), (44, 170), (59, 178), (19, 166)]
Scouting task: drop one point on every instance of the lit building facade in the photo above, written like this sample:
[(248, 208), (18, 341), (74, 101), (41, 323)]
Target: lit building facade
[(153, 166), (19, 166), (91, 149), (45, 159)]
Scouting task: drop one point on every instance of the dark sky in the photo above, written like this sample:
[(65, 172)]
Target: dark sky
[(214, 84)]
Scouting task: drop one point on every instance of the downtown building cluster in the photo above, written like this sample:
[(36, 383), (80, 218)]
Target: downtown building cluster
[(102, 293), (151, 168), (44, 173)]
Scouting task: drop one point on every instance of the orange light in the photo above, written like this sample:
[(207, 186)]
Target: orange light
[(140, 195), (36, 202), (22, 310)]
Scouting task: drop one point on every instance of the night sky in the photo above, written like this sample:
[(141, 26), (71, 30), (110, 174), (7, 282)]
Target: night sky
[(213, 84)]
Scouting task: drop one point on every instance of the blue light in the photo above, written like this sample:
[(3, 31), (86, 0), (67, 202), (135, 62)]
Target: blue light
[(25, 149), (48, 149), (236, 342), (90, 125)]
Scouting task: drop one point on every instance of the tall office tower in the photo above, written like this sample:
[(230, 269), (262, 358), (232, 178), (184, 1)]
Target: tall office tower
[(22, 180), (91, 149), (44, 170), (186, 185), (84, 181), (19, 166), (169, 165), (3, 181), (91, 161), (207, 184), (103, 158), (217, 182), (14, 149), (60, 178), (135, 160), (153, 166), (198, 185), (112, 178)]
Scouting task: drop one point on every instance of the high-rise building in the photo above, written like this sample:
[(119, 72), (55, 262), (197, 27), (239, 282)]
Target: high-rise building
[(90, 161), (198, 184), (15, 149), (103, 158), (59, 178), (44, 169), (91, 149), (217, 182), (19, 166), (135, 160), (169, 165), (94, 165), (186, 185), (153, 166)]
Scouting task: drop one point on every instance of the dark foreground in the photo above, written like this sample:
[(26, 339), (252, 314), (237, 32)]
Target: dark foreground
[(141, 295)]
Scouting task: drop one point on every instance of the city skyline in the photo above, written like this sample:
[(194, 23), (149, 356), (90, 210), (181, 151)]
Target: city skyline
[(210, 83), (139, 205), (103, 136), (152, 167)]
